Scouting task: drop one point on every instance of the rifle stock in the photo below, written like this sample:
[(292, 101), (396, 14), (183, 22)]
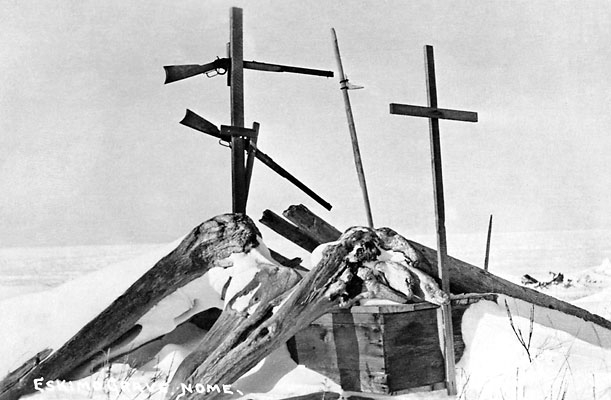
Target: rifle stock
[(201, 124), (175, 73)]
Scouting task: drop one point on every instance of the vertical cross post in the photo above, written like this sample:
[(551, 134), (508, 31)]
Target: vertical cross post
[(236, 82), (435, 114), (442, 248)]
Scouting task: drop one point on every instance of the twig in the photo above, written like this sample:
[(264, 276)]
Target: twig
[(463, 389), (518, 332)]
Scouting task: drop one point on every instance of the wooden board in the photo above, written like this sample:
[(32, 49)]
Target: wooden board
[(288, 230), (433, 112), (387, 349)]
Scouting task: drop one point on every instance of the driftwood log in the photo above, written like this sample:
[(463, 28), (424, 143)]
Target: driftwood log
[(348, 270), (464, 277), (201, 250), (268, 284)]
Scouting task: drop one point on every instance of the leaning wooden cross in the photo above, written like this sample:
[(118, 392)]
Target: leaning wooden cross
[(241, 169), (435, 114)]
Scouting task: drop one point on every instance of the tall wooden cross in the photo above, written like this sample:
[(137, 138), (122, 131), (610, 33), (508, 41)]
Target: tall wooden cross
[(435, 114), (241, 167)]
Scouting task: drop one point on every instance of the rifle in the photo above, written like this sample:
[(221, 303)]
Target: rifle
[(175, 73), (194, 121)]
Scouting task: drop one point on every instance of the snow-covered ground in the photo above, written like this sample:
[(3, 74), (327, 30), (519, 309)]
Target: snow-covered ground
[(567, 358)]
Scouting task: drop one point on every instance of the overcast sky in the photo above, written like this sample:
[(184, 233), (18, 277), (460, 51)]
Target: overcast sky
[(91, 150)]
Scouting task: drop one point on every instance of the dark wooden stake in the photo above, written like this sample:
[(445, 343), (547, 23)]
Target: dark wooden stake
[(236, 81), (442, 249), (250, 160), (343, 81), (434, 114), (488, 244)]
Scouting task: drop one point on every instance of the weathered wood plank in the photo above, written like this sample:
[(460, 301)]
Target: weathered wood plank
[(348, 318), (446, 334), (311, 223), (433, 112), (288, 262), (236, 80), (360, 347), (316, 396), (250, 158), (392, 308), (288, 230), (413, 354), (27, 366)]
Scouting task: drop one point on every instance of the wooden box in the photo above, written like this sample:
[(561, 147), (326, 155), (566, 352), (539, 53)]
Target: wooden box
[(389, 349)]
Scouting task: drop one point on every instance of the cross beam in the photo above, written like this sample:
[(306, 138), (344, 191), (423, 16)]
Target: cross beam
[(435, 114), (234, 64)]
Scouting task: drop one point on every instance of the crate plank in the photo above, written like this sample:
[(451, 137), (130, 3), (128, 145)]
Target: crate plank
[(387, 349), (411, 345), (358, 347)]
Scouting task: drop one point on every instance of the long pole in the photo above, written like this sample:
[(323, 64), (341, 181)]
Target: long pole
[(355, 143), (442, 252), (487, 258), (236, 82)]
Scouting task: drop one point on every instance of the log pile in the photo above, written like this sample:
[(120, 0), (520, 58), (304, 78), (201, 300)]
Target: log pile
[(262, 315), (276, 302)]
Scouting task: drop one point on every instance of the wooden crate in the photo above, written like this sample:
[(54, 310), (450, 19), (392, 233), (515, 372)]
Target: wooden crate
[(380, 349)]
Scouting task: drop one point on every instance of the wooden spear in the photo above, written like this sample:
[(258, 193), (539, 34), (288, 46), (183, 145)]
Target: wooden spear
[(343, 82)]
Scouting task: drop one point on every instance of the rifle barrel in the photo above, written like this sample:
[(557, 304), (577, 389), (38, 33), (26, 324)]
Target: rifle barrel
[(259, 66), (267, 160)]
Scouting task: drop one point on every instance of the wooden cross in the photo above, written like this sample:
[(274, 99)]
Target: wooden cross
[(241, 167), (435, 114)]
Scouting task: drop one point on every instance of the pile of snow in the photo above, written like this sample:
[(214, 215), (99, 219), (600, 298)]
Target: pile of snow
[(567, 357), (60, 312)]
